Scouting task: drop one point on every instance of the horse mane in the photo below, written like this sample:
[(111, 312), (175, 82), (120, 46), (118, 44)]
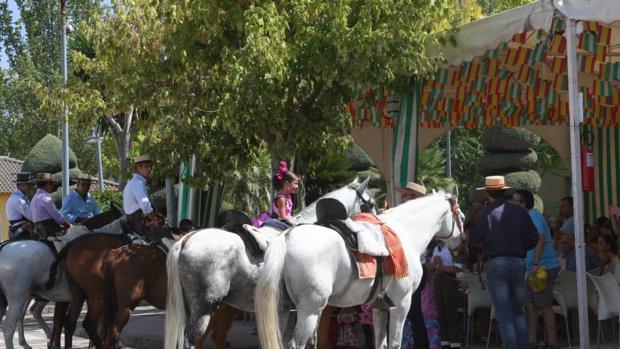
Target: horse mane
[(414, 207)]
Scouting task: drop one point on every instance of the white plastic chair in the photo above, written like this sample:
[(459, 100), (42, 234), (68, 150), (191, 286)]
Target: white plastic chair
[(607, 300), (477, 298), (565, 294)]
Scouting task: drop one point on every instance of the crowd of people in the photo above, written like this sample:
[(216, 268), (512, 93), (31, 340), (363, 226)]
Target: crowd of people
[(32, 213), (510, 241)]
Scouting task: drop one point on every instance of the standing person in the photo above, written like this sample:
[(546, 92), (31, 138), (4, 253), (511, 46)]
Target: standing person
[(79, 206), (136, 203), (47, 219), (286, 183), (543, 255), (415, 316), (446, 294), (506, 232), (18, 207)]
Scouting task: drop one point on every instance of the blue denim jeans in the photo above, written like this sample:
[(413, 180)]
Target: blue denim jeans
[(506, 281)]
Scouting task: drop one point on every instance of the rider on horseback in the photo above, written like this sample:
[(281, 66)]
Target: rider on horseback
[(46, 217), (79, 206), (136, 203), (18, 207)]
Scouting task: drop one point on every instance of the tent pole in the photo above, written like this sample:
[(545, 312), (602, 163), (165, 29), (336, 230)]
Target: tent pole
[(575, 121)]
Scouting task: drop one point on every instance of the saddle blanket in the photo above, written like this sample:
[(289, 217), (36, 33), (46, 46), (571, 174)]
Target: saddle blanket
[(394, 264), (370, 239)]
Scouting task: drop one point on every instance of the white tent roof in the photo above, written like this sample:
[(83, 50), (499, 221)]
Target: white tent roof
[(476, 38)]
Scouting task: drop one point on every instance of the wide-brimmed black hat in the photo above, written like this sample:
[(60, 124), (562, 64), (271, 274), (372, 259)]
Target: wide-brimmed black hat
[(23, 177)]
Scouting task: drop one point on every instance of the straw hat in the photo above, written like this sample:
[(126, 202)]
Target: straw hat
[(494, 183), (418, 188), (141, 159), (23, 178), (46, 177)]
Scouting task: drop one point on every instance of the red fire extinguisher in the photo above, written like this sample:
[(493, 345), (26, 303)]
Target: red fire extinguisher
[(587, 161)]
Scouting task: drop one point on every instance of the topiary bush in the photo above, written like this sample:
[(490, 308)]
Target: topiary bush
[(46, 156), (508, 139)]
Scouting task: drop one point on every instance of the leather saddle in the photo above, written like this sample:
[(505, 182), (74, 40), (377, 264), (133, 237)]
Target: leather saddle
[(332, 214), (233, 221)]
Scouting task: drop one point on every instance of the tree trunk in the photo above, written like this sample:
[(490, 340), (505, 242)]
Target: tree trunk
[(123, 139)]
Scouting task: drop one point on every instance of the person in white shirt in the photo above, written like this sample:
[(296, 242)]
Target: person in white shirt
[(18, 210), (136, 203), (446, 293)]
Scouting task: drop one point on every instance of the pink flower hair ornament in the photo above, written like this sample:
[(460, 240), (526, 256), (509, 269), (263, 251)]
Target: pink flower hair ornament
[(280, 172)]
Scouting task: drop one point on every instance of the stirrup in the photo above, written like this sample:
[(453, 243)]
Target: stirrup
[(383, 302)]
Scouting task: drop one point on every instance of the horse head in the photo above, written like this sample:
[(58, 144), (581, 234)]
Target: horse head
[(363, 201), (451, 226)]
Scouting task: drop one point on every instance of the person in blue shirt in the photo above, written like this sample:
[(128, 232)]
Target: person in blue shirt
[(567, 247), (79, 206), (543, 255)]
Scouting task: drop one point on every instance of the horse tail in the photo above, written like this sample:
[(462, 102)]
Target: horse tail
[(267, 291), (175, 302)]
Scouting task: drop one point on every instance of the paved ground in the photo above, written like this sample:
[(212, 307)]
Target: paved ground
[(145, 330)]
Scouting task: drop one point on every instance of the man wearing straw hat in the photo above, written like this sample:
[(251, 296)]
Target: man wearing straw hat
[(411, 191), (506, 232), (79, 206), (18, 207), (136, 203), (46, 217)]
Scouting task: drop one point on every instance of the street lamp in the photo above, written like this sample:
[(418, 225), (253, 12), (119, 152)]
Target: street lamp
[(96, 138)]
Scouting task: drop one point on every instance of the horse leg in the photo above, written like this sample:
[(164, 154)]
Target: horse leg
[(221, 323), (92, 319), (307, 321), (14, 315), (20, 326), (4, 304), (114, 332), (60, 314), (75, 307), (37, 314), (379, 321), (397, 323)]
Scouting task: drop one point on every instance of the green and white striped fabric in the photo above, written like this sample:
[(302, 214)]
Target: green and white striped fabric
[(405, 149), (201, 206), (606, 174)]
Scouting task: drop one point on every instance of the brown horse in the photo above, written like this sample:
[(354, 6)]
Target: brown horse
[(83, 260), (135, 273)]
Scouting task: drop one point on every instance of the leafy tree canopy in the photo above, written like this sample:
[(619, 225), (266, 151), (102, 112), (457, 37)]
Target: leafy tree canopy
[(221, 79)]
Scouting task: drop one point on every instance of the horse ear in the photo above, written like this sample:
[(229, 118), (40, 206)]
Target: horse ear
[(455, 192), (434, 191), (364, 184)]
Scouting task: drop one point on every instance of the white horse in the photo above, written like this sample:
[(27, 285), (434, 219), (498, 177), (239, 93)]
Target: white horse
[(318, 270), (213, 266), (24, 271)]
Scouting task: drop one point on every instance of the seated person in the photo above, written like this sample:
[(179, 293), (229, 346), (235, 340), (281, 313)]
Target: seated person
[(567, 246)]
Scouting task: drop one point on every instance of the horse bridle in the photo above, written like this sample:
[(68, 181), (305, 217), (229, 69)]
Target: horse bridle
[(456, 220), (367, 205)]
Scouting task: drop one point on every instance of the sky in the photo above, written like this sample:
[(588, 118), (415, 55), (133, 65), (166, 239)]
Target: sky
[(14, 11)]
